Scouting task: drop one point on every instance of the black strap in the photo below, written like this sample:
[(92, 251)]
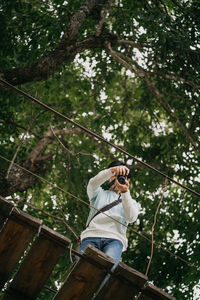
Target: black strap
[(105, 208)]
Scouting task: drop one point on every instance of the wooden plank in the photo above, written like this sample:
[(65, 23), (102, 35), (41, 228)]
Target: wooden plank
[(5, 209), (86, 276), (124, 283), (151, 292), (37, 265), (15, 237)]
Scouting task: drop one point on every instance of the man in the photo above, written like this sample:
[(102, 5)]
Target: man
[(103, 232)]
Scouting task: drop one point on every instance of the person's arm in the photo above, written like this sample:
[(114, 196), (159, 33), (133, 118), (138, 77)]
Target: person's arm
[(130, 206), (97, 181)]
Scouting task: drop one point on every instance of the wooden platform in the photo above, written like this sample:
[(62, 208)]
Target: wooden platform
[(35, 250)]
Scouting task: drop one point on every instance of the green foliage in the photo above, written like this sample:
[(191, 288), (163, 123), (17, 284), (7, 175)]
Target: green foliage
[(119, 106)]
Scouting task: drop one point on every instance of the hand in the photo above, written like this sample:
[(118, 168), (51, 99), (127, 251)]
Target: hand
[(120, 170)]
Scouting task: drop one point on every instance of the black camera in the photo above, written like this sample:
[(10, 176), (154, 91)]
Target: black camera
[(121, 179)]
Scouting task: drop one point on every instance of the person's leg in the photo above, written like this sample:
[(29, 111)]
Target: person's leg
[(112, 248)]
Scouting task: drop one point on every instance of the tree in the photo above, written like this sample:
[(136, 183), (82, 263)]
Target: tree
[(127, 70)]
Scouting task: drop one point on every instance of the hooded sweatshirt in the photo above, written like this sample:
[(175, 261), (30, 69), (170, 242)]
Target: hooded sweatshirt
[(103, 226)]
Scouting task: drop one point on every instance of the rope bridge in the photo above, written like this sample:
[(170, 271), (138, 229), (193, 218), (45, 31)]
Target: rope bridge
[(47, 247), (35, 249)]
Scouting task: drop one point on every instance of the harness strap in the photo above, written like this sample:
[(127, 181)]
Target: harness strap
[(105, 208)]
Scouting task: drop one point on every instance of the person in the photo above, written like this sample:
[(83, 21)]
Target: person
[(102, 232)]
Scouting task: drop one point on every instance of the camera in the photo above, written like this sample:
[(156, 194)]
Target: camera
[(121, 179)]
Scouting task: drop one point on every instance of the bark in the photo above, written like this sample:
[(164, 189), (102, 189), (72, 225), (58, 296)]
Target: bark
[(47, 65), (18, 180)]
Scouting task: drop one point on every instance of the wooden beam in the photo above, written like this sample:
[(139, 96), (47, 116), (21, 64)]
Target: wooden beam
[(86, 276), (5, 209), (151, 292), (37, 265), (124, 283), (15, 237)]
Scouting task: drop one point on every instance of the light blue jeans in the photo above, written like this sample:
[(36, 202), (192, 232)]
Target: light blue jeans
[(110, 247)]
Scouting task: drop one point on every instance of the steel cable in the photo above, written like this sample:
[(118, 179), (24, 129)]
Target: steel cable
[(96, 136)]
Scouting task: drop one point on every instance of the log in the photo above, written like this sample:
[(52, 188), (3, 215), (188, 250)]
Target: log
[(151, 292), (15, 237), (124, 283), (37, 266)]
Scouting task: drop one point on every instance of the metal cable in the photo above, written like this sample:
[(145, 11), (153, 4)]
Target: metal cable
[(96, 136)]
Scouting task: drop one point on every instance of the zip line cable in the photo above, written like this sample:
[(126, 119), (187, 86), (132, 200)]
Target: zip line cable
[(82, 201), (96, 135)]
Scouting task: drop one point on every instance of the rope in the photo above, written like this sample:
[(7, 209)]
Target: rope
[(70, 252), (96, 136), (153, 226), (91, 206)]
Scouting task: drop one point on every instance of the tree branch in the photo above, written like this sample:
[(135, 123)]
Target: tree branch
[(21, 142), (137, 45), (157, 74), (104, 14), (47, 139), (21, 126), (165, 7), (168, 109), (60, 142), (177, 4), (153, 74), (102, 148), (77, 21), (169, 76), (140, 73), (65, 51), (19, 180)]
